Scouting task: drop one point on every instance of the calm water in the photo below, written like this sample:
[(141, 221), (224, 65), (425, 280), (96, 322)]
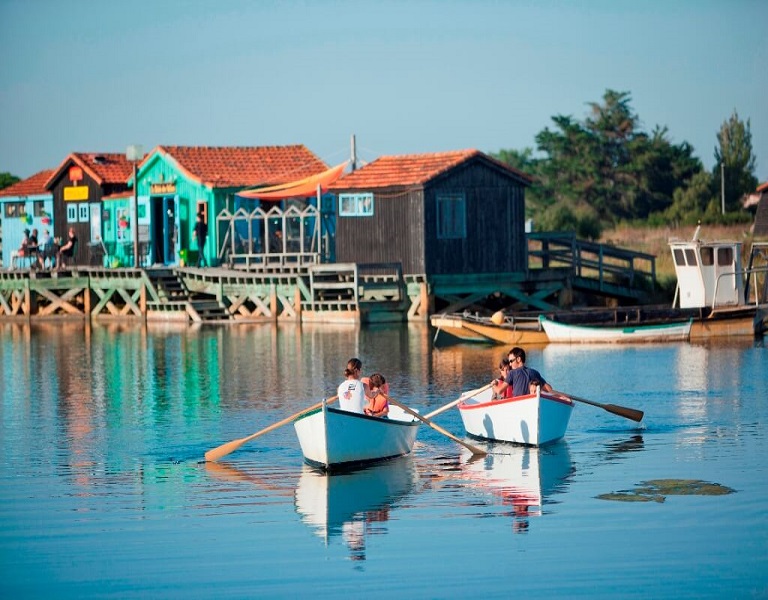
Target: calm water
[(103, 492)]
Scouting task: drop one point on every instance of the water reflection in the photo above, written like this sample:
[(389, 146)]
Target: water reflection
[(523, 477), (354, 504)]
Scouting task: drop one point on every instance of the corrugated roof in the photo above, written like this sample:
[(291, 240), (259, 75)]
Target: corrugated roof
[(31, 186), (231, 166), (413, 169)]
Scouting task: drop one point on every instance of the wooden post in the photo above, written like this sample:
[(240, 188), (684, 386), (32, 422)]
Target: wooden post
[(297, 303), (273, 301)]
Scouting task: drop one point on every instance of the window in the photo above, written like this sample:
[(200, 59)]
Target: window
[(724, 257), (83, 212), (451, 216), (690, 256), (355, 205), (15, 210), (72, 213), (706, 257), (679, 257), (38, 208)]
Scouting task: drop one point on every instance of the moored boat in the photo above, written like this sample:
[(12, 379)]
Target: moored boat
[(454, 329), (535, 419), (331, 438), (508, 330), (570, 333)]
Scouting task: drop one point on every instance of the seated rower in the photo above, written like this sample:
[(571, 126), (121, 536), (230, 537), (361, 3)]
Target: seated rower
[(377, 398)]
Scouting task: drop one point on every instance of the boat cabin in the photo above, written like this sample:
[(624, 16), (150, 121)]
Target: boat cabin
[(709, 274)]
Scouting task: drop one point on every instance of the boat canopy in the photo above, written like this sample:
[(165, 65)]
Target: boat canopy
[(302, 188)]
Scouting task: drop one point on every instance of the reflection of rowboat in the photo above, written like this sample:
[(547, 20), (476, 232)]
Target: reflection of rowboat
[(331, 438), (573, 334), (523, 476), (535, 419), (331, 504)]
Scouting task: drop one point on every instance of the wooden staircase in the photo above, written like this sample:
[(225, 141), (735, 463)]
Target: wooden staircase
[(172, 296)]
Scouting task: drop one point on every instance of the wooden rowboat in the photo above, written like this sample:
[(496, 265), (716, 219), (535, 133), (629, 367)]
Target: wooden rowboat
[(466, 327), (569, 333), (331, 438), (535, 419)]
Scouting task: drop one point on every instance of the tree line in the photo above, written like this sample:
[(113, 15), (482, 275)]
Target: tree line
[(594, 174)]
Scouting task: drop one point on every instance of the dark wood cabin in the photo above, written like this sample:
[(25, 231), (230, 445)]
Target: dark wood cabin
[(442, 213), (78, 186)]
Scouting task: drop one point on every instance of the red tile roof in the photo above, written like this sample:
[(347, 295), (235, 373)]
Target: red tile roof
[(227, 166), (763, 187), (104, 167), (413, 169), (31, 186)]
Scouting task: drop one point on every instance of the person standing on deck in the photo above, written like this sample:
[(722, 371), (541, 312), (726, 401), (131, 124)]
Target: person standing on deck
[(201, 233), (352, 391)]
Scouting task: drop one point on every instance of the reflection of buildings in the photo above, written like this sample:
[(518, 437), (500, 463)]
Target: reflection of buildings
[(353, 504), (522, 476)]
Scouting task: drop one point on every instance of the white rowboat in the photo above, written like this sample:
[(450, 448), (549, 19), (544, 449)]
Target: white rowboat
[(558, 332), (535, 419), (332, 438)]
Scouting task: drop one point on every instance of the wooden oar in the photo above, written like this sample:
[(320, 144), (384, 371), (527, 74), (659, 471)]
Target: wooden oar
[(470, 447), (442, 409), (229, 447), (627, 413)]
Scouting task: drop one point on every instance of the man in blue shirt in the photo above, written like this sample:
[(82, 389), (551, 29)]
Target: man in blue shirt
[(520, 376)]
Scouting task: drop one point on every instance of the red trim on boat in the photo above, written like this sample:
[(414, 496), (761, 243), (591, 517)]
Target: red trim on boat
[(464, 406)]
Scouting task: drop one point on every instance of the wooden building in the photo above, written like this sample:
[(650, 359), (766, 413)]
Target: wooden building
[(446, 213), (80, 186), (27, 204), (177, 182)]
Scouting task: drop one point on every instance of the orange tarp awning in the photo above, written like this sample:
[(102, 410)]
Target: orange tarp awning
[(303, 188)]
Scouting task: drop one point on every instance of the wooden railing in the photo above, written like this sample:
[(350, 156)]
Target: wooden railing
[(598, 266)]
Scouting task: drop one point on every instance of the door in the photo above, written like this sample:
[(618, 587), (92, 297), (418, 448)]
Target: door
[(171, 241)]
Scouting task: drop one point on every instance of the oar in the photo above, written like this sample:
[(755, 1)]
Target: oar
[(442, 409), (470, 447), (229, 447), (627, 413)]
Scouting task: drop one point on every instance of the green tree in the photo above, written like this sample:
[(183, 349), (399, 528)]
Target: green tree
[(690, 201), (6, 179), (735, 154)]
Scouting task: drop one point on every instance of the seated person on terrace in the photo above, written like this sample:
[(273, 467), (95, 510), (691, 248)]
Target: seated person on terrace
[(68, 249)]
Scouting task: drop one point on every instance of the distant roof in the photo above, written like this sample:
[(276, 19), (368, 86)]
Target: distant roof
[(415, 169), (232, 166), (762, 187), (103, 167), (31, 186)]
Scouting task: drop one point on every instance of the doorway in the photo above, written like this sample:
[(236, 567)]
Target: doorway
[(165, 230)]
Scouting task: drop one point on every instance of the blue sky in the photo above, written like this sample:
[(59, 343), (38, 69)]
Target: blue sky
[(403, 77)]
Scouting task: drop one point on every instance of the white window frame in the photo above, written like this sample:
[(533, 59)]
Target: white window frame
[(356, 205)]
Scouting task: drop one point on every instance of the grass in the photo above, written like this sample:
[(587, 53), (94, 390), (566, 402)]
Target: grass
[(655, 241)]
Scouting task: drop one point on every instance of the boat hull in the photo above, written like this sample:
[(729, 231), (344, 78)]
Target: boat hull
[(568, 333), (481, 330), (534, 420), (331, 438), (453, 328)]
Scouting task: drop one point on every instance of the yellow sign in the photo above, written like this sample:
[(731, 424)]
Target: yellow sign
[(75, 193), (157, 189)]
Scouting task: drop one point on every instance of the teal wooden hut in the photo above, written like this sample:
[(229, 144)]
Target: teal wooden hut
[(27, 204), (175, 183)]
